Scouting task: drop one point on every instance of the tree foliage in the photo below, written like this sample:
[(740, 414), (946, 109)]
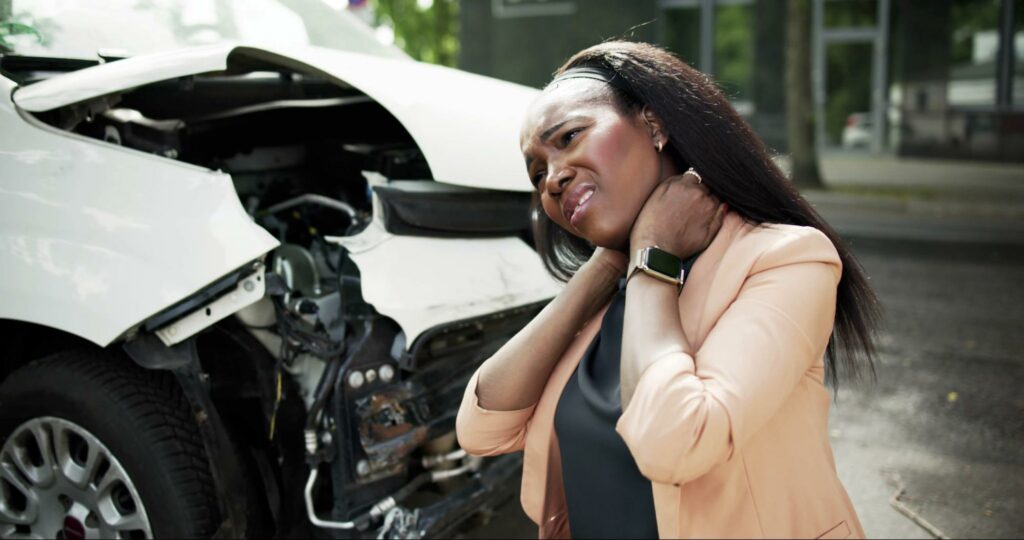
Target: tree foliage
[(12, 28), (427, 30), (734, 50)]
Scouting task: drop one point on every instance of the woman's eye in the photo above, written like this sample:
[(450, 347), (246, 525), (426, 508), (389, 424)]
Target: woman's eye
[(570, 135)]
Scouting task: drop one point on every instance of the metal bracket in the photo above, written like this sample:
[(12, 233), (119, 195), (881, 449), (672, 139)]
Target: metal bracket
[(247, 291)]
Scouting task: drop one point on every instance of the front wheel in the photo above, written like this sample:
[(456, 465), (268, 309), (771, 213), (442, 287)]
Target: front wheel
[(97, 447)]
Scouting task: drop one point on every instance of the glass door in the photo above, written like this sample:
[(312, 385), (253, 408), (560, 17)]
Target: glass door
[(849, 66), (849, 116)]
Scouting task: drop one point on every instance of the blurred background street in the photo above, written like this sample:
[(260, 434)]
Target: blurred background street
[(901, 121)]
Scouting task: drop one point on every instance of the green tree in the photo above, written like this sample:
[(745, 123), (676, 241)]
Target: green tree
[(427, 30)]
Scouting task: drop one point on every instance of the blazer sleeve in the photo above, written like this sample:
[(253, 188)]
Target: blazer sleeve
[(688, 415), (484, 432)]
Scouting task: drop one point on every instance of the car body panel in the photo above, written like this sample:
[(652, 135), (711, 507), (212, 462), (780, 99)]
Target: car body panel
[(466, 125), (121, 75), (425, 282), (95, 238)]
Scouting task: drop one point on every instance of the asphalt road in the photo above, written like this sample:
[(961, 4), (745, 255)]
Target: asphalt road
[(945, 419), (944, 422)]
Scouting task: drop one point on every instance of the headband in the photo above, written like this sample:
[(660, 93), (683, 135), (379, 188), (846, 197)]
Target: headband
[(604, 75)]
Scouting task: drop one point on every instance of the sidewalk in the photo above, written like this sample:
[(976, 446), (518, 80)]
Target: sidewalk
[(925, 200), (960, 177)]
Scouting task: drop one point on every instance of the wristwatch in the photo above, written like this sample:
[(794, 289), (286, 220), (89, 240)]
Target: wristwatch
[(658, 264)]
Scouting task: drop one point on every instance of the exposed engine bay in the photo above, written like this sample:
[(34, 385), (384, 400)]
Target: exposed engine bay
[(376, 422)]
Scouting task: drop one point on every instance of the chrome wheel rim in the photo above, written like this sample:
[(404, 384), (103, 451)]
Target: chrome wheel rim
[(58, 480)]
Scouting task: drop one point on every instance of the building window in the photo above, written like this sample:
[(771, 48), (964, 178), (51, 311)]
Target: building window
[(682, 32), (851, 13), (734, 50), (974, 53), (848, 118), (716, 37), (1018, 52)]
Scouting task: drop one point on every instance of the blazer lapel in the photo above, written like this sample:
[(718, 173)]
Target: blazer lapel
[(543, 496)]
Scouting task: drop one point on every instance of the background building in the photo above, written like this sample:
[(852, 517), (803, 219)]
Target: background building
[(928, 78)]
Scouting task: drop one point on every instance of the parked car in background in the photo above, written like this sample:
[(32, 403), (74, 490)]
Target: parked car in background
[(245, 285), (858, 131)]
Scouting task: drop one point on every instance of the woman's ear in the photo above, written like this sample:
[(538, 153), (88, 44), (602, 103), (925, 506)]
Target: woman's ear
[(659, 136)]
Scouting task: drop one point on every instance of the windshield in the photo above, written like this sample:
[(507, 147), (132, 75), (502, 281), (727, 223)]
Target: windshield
[(77, 29)]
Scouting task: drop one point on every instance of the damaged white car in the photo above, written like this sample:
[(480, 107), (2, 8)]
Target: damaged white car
[(244, 285)]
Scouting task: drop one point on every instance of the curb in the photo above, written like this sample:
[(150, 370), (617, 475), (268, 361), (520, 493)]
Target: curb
[(989, 208), (982, 222)]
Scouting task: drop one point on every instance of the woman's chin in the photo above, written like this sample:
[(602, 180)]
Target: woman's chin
[(601, 236), (612, 242)]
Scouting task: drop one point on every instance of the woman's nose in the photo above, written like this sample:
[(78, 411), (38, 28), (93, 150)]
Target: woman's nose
[(557, 181)]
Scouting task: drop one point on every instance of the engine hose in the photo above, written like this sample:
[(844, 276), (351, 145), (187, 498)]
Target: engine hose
[(362, 522), (327, 380), (323, 391)]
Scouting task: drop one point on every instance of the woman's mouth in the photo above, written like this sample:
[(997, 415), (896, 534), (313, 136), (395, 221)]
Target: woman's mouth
[(576, 203)]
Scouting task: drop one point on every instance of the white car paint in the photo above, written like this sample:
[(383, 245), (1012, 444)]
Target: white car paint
[(425, 282), (78, 86), (95, 238), (466, 125)]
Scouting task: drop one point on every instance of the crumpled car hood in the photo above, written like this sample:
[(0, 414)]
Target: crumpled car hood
[(466, 125)]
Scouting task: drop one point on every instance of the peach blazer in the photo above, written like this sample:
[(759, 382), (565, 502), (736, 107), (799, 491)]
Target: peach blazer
[(733, 439)]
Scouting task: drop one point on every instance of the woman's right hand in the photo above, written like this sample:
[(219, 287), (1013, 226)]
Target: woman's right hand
[(681, 216), (515, 376), (597, 280)]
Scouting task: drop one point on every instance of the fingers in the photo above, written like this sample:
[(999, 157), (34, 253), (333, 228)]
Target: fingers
[(693, 177), (686, 184), (690, 180)]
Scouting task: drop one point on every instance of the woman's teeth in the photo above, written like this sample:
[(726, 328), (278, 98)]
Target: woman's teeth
[(586, 197)]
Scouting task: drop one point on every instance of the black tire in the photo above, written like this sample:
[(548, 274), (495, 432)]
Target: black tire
[(141, 417)]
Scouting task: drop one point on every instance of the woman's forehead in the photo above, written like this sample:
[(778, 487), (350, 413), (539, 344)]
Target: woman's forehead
[(559, 101)]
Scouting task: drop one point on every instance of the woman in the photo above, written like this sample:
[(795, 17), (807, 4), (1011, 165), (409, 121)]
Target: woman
[(679, 408)]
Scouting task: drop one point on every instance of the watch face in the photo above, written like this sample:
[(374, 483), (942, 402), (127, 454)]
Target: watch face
[(663, 262)]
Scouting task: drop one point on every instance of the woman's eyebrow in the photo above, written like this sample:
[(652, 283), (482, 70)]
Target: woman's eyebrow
[(544, 136), (547, 132)]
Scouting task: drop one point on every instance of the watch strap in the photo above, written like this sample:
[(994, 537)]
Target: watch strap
[(640, 263), (684, 268)]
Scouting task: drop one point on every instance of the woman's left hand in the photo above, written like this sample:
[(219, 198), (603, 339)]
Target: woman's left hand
[(681, 217)]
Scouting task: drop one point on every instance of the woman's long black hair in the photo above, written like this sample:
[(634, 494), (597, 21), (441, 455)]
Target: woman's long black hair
[(706, 132)]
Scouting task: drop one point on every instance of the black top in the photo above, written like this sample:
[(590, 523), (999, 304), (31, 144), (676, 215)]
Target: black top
[(604, 490)]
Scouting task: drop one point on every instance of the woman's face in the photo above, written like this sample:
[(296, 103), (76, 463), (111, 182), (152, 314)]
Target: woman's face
[(593, 166)]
